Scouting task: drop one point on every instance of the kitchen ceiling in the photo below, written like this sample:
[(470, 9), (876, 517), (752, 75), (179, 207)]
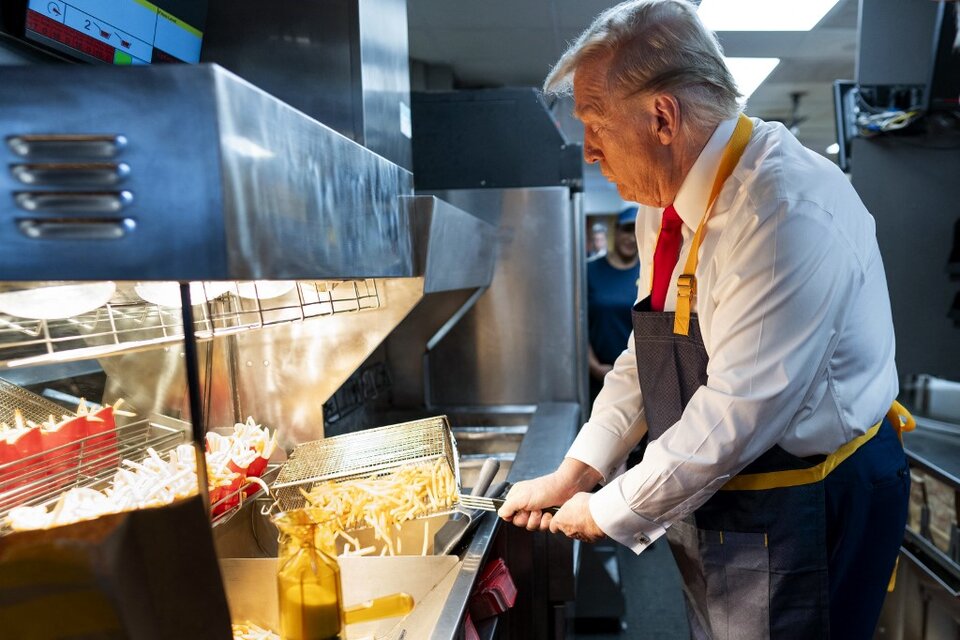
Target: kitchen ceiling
[(514, 43)]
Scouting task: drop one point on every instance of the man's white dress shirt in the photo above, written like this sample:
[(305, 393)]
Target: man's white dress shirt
[(793, 306)]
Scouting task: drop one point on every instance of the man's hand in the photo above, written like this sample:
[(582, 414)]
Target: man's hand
[(523, 505), (574, 520)]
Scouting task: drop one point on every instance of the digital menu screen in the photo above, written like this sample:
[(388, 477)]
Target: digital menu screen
[(120, 31)]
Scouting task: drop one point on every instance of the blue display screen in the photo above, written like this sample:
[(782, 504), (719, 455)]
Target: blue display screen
[(120, 31)]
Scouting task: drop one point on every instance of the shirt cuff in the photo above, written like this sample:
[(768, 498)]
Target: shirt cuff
[(600, 449), (616, 519)]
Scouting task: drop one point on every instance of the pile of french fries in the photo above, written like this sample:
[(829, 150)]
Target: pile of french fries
[(234, 462), (136, 485), (383, 503), (250, 631)]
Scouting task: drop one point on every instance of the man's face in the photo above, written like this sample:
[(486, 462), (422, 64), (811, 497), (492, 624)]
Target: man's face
[(619, 134), (600, 240)]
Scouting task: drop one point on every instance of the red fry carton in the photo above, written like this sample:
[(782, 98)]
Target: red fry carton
[(16, 470), (61, 446), (100, 448)]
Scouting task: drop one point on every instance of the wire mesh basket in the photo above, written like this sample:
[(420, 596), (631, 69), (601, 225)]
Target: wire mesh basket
[(39, 473), (369, 453), (31, 406)]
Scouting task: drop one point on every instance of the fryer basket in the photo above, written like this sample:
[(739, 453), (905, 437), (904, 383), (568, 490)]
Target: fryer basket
[(364, 454)]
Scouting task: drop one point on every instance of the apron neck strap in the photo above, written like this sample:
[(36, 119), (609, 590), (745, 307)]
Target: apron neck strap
[(687, 281)]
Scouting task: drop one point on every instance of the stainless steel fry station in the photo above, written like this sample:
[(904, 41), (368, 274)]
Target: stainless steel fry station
[(291, 296), (223, 269)]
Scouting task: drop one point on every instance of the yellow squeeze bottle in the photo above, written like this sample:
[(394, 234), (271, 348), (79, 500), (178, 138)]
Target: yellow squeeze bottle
[(309, 612), (308, 584), (308, 581)]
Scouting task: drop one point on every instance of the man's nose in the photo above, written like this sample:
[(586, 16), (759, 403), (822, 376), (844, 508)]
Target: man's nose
[(591, 152)]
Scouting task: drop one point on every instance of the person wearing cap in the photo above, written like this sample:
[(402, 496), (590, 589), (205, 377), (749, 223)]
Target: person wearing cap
[(761, 364), (611, 293)]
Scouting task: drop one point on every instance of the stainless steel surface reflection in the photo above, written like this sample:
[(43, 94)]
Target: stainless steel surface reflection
[(226, 182), (476, 444), (280, 375), (385, 79), (525, 339), (343, 62), (303, 201)]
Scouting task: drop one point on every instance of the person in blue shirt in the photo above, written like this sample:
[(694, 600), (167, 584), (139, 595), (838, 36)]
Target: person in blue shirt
[(611, 294)]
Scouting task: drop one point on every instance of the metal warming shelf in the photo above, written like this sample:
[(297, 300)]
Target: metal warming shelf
[(128, 323)]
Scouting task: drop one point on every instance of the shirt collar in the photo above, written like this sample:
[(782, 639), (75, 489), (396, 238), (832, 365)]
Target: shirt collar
[(691, 201)]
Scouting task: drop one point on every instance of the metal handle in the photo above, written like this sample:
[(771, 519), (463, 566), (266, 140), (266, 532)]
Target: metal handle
[(930, 573), (492, 504), (67, 146), (80, 229), (94, 174), (487, 472), (498, 490), (73, 201)]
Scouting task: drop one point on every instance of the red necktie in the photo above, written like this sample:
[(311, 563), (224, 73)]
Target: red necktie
[(665, 256)]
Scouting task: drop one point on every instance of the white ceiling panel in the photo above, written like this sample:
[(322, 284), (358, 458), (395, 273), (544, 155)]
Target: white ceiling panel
[(444, 14), (515, 42)]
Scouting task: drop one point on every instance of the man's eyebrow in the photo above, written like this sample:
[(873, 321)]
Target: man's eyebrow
[(587, 110)]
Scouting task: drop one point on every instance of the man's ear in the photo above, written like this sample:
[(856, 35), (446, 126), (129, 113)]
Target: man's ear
[(666, 112)]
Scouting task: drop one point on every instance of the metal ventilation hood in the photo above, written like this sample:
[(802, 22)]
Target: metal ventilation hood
[(176, 172), (284, 374), (190, 173)]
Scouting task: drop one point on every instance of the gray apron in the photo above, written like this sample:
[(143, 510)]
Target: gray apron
[(753, 563)]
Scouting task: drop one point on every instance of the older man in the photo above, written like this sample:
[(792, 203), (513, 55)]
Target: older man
[(762, 358)]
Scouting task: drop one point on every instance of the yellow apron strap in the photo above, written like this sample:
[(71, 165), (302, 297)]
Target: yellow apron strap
[(687, 281), (893, 577), (901, 419), (898, 416)]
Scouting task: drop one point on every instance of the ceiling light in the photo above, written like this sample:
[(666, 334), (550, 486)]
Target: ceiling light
[(763, 15), (749, 73), (833, 149)]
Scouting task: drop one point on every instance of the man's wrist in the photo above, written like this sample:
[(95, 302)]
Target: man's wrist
[(577, 475)]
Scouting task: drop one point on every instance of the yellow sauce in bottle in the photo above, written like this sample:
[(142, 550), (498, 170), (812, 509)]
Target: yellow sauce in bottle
[(308, 612), (308, 581)]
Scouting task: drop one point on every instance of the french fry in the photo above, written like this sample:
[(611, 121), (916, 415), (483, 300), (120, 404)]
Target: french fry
[(250, 631), (385, 502)]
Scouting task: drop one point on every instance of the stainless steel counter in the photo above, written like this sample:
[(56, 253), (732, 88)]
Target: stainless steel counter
[(926, 601), (549, 435), (935, 447), (533, 558)]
